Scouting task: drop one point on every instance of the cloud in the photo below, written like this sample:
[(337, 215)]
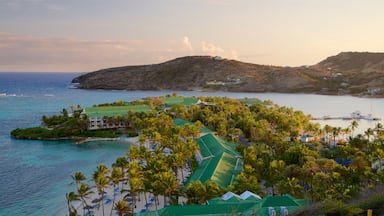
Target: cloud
[(33, 53), (210, 48), (187, 43)]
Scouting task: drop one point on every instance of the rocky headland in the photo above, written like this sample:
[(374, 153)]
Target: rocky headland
[(348, 73)]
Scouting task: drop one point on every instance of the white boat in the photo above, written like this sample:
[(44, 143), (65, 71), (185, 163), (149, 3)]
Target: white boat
[(369, 117), (356, 115)]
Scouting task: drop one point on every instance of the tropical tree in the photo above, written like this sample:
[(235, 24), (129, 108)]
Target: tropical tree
[(101, 171), (199, 193), (116, 176), (122, 208), (368, 133), (101, 183), (84, 192), (122, 163), (290, 186), (71, 196), (167, 184), (77, 178), (196, 192), (274, 173), (354, 126), (135, 175)]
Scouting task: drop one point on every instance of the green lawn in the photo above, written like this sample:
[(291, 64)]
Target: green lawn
[(114, 110)]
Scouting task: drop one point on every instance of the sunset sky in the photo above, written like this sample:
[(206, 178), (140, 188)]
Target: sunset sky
[(87, 35)]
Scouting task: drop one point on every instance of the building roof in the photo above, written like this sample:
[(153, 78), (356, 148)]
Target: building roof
[(190, 210), (211, 145), (251, 101), (101, 111), (232, 204), (187, 101), (279, 204), (221, 162), (249, 195), (182, 122)]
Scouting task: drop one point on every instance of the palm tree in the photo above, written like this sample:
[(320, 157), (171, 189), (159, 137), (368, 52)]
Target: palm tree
[(101, 184), (354, 125), (335, 132), (101, 170), (122, 163), (136, 176), (379, 130), (122, 208), (115, 177), (71, 196), (195, 191), (77, 178), (84, 192), (290, 186), (212, 190), (368, 133)]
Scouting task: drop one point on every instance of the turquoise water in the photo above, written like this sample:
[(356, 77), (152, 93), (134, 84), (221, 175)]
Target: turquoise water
[(34, 175)]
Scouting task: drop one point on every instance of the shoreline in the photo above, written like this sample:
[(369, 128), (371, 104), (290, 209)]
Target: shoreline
[(95, 139)]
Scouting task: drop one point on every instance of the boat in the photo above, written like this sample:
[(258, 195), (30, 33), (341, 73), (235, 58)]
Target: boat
[(353, 116), (356, 115), (369, 117)]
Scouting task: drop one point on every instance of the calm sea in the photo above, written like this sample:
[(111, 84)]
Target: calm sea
[(34, 175)]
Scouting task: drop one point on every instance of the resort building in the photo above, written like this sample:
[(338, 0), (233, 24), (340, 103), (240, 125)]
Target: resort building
[(100, 116), (233, 204), (218, 161), (186, 101)]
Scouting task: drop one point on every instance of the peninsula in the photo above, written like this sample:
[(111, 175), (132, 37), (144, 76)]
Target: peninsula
[(195, 154), (348, 73)]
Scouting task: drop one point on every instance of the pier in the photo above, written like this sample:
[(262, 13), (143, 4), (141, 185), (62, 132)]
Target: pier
[(350, 118)]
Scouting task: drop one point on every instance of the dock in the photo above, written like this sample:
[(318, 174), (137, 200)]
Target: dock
[(347, 118)]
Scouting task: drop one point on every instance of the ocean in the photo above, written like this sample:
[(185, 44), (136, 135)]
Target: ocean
[(35, 175)]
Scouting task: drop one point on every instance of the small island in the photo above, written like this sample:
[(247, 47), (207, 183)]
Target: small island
[(201, 154)]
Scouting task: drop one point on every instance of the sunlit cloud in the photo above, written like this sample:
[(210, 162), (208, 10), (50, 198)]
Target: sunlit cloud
[(187, 43), (33, 53), (210, 48)]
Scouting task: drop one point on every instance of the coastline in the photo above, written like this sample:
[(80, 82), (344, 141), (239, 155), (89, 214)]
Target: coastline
[(95, 139)]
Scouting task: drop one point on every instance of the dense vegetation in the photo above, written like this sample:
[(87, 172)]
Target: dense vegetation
[(332, 170), (68, 126)]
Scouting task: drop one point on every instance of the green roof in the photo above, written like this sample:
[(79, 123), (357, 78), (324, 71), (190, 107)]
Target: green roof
[(272, 201), (182, 122), (213, 145), (277, 202), (190, 210), (109, 111), (221, 162), (235, 206), (251, 101), (187, 101)]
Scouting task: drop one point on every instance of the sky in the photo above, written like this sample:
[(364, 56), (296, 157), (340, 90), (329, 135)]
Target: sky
[(88, 35)]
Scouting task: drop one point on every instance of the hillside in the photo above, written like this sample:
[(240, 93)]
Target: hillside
[(359, 74)]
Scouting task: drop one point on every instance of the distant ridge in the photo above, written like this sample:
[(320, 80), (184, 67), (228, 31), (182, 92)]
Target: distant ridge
[(348, 73)]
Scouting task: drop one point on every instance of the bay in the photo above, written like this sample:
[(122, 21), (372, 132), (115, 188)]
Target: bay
[(34, 175)]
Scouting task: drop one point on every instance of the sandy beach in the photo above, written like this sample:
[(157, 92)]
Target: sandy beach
[(143, 202)]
